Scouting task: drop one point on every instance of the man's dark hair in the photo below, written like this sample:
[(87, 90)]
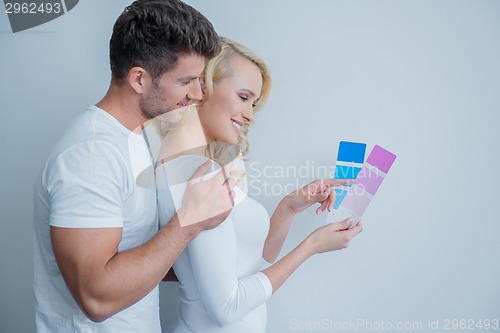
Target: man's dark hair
[(153, 33)]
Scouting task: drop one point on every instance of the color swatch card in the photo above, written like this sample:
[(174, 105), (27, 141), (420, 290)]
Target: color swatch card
[(350, 158), (366, 185)]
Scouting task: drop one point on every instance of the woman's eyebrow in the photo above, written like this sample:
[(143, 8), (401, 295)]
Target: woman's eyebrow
[(251, 93)]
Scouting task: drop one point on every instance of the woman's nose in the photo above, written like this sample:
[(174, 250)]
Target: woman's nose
[(248, 114)]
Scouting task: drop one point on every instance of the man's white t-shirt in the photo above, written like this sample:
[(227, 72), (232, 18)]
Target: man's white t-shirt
[(89, 181)]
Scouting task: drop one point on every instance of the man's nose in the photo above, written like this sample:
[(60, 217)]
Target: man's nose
[(195, 91)]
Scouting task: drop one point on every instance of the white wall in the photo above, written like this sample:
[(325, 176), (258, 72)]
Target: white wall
[(421, 78)]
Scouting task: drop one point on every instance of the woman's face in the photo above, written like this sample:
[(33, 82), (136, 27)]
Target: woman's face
[(232, 103)]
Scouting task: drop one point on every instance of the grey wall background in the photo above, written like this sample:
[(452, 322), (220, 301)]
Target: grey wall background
[(421, 78)]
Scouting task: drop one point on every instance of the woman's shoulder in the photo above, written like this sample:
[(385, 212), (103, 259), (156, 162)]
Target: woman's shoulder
[(247, 205)]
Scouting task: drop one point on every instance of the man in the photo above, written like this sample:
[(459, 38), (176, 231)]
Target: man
[(98, 254)]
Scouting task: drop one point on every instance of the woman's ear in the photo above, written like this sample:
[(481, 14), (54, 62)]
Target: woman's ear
[(203, 85)]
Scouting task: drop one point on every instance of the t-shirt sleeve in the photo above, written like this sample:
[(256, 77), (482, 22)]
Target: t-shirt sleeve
[(213, 257), (87, 184)]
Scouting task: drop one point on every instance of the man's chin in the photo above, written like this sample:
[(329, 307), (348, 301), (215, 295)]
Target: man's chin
[(174, 116), (180, 107)]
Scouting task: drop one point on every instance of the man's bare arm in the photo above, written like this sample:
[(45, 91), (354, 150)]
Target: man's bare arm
[(104, 281)]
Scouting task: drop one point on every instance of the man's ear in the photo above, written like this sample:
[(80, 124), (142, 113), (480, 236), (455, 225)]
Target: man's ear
[(138, 79)]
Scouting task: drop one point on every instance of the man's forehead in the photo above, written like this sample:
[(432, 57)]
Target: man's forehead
[(191, 65)]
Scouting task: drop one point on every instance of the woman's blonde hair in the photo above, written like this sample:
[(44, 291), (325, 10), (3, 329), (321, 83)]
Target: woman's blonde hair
[(219, 68)]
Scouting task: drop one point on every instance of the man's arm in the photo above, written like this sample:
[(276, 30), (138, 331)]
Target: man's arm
[(104, 281)]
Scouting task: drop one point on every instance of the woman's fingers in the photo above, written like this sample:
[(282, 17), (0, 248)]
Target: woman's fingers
[(344, 225), (327, 199), (337, 182)]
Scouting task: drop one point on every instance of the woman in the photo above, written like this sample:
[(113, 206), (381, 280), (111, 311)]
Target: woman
[(224, 284)]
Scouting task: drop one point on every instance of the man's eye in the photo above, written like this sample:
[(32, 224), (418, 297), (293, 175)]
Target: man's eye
[(186, 82)]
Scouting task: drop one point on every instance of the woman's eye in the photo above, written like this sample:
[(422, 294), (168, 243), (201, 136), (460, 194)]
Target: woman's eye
[(244, 98), (186, 83)]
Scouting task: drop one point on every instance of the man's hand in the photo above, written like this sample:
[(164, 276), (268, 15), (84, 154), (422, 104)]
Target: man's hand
[(207, 202)]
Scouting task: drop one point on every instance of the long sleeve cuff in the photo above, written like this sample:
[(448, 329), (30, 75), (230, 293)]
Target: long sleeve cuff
[(264, 280)]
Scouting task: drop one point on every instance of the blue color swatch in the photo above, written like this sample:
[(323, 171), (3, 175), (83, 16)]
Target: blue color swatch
[(339, 196), (350, 159), (346, 172), (353, 152)]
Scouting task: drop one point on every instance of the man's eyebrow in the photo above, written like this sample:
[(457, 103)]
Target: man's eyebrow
[(187, 78)]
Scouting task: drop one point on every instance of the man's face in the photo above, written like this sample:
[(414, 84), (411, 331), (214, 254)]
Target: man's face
[(175, 88)]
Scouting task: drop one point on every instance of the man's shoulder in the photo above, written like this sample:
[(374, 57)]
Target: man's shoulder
[(92, 140), (92, 127)]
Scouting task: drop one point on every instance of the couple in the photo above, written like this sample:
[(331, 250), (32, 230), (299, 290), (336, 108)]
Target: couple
[(98, 253)]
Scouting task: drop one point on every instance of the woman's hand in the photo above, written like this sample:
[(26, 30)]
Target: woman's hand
[(319, 191), (333, 236)]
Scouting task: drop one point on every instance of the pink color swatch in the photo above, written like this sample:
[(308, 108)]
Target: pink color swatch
[(355, 202), (381, 158), (369, 180)]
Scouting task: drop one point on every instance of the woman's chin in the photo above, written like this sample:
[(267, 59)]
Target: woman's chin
[(229, 140)]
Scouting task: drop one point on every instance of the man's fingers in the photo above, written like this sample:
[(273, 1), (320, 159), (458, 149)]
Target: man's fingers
[(230, 183), (201, 171), (220, 178)]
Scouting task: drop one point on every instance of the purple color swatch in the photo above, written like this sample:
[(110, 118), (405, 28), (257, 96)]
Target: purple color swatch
[(381, 158), (369, 180), (355, 202)]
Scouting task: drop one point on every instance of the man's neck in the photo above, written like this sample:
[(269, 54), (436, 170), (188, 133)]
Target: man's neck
[(187, 137), (124, 106)]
